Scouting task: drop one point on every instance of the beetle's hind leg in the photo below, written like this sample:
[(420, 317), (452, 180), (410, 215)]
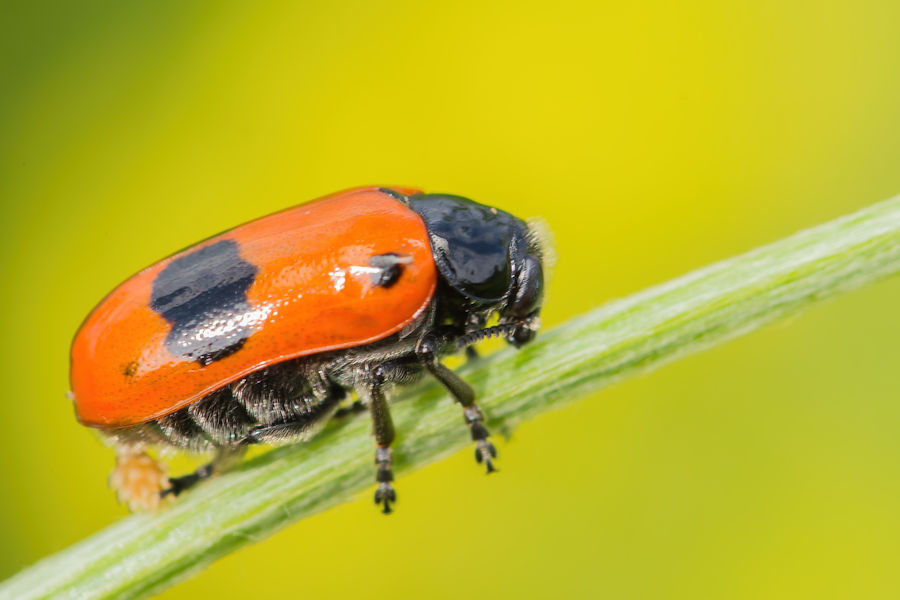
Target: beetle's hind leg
[(217, 422), (141, 481), (427, 354), (226, 457)]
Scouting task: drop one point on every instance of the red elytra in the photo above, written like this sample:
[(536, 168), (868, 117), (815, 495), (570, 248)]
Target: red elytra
[(312, 291)]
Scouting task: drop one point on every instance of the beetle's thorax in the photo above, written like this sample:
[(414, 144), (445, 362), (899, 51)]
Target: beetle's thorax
[(488, 262)]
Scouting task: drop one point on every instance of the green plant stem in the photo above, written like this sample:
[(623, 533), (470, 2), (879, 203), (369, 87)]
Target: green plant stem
[(143, 554)]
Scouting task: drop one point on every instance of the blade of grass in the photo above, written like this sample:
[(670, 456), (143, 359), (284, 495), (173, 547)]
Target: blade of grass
[(143, 554)]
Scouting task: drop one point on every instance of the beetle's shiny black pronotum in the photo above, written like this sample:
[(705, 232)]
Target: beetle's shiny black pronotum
[(256, 335)]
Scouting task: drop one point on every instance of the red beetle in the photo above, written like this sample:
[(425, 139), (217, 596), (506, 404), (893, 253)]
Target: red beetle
[(257, 334)]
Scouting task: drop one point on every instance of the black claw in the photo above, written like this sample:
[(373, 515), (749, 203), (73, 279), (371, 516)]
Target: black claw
[(484, 452), (492, 450), (385, 495), (180, 484)]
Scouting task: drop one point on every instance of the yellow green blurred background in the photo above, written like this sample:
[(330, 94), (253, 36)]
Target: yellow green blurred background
[(653, 137)]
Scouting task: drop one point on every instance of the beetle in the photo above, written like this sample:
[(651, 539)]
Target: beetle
[(256, 335)]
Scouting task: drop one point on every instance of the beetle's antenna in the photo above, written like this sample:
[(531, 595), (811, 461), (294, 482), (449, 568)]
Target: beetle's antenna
[(481, 334)]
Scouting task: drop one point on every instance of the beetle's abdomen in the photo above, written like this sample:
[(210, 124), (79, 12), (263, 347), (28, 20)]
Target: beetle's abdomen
[(226, 417)]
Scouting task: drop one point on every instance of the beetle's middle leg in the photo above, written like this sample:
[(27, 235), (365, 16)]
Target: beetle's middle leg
[(427, 354), (225, 458), (383, 430)]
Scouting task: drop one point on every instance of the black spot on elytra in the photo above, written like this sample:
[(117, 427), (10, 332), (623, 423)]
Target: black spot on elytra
[(131, 368), (390, 268), (204, 296)]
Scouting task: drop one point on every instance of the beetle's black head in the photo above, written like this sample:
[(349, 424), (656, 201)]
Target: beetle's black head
[(488, 261)]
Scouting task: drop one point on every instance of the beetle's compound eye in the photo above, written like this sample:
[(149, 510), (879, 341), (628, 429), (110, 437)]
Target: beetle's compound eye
[(529, 290), (388, 268)]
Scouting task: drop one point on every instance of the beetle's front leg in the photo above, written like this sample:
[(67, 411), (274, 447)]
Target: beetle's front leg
[(383, 430), (427, 353)]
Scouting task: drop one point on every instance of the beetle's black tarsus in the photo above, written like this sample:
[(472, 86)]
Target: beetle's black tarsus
[(484, 449), (224, 459), (385, 494), (186, 482)]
